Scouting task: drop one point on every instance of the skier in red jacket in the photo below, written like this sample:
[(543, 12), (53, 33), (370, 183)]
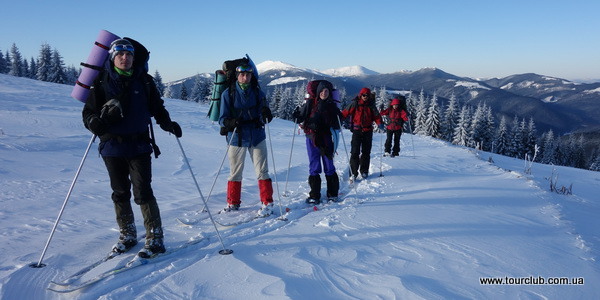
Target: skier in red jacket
[(397, 116)]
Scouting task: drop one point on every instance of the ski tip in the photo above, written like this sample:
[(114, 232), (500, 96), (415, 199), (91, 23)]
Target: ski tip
[(315, 208)]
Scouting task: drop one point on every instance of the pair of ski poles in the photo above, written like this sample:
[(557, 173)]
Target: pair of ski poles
[(40, 263)]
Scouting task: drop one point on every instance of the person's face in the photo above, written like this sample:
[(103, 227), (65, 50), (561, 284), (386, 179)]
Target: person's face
[(324, 93), (244, 77), (124, 60), (364, 97), (395, 106)]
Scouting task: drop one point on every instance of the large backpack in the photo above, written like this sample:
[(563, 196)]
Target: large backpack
[(225, 78)]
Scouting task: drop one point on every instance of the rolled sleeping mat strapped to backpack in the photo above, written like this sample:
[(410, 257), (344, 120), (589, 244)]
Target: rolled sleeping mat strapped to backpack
[(93, 65), (219, 87), (335, 95)]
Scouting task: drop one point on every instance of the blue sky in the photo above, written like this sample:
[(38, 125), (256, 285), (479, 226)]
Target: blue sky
[(465, 38)]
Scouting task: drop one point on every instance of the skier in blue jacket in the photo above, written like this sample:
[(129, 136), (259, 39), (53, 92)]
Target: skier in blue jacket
[(244, 116)]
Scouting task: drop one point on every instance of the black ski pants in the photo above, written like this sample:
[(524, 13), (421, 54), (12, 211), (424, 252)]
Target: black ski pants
[(360, 151), (137, 172), (395, 136)]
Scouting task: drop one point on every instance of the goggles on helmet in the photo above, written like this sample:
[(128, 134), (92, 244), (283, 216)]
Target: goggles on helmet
[(244, 69), (122, 47)]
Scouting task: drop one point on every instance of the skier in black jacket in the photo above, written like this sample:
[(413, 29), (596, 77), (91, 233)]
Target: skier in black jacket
[(118, 110)]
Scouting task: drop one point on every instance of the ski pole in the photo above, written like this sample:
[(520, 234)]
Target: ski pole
[(411, 137), (218, 173), (62, 209), (223, 251), (346, 149), (381, 157), (287, 176), (282, 218)]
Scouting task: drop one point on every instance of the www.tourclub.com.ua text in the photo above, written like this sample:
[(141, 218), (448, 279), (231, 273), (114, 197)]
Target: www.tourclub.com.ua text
[(531, 280)]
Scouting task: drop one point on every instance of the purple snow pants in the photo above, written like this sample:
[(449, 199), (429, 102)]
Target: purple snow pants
[(315, 158)]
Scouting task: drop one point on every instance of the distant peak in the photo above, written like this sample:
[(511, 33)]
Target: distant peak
[(349, 71)]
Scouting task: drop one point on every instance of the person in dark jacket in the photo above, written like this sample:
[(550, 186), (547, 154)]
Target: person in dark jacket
[(244, 116), (397, 117), (319, 118), (118, 110), (362, 113)]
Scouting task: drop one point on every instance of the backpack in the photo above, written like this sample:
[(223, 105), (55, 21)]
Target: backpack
[(226, 78)]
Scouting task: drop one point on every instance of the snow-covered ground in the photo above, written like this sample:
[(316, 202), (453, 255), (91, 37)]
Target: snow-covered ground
[(440, 219)]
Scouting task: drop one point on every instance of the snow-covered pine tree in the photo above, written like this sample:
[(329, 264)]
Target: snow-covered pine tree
[(197, 94), (381, 98), (477, 126), (501, 141), (16, 62), (3, 64), (547, 148), (432, 122), (183, 93), (57, 69), (44, 63), (420, 114), (31, 72), (449, 119), (461, 132), (159, 83), (168, 92)]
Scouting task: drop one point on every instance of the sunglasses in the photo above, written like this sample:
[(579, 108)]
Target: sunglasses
[(117, 48), (364, 95), (244, 69)]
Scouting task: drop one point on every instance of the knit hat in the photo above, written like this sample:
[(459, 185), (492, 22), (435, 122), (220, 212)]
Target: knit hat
[(364, 91), (324, 85), (119, 45), (395, 101)]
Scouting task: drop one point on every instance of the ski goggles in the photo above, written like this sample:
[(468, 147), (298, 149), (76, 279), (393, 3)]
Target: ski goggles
[(122, 47), (244, 69)]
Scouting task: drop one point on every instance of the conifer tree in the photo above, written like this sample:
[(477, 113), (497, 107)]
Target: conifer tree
[(548, 148), (183, 93), (57, 69), (44, 63), (16, 62), (449, 119), (32, 69), (197, 94), (421, 115), (501, 142), (159, 83), (432, 123), (3, 64), (461, 132)]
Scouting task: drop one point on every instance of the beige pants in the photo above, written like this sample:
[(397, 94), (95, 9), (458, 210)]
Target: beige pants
[(258, 155)]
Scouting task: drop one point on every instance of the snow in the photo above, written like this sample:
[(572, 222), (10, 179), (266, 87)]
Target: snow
[(597, 90), (352, 71), (469, 85), (440, 218), (284, 80)]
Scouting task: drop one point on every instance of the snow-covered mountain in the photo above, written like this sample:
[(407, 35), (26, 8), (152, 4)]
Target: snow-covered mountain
[(353, 71), (433, 223)]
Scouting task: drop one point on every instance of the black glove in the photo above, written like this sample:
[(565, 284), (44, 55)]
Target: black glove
[(297, 115), (230, 123), (266, 114), (96, 126), (111, 111), (173, 128)]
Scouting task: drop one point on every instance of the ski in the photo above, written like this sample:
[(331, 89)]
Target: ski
[(70, 279), (136, 261)]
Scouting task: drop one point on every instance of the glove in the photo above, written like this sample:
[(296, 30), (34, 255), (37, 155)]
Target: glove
[(266, 114), (230, 123), (111, 111), (173, 128), (296, 114), (96, 126)]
